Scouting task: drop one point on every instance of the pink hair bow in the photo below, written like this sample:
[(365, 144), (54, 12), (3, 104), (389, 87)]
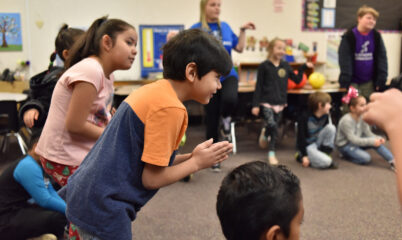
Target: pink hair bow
[(352, 93)]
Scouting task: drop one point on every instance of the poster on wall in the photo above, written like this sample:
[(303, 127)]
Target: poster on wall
[(152, 39), (10, 32), (332, 67), (338, 15)]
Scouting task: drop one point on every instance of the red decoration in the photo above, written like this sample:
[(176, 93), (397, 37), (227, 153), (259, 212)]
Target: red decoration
[(293, 85)]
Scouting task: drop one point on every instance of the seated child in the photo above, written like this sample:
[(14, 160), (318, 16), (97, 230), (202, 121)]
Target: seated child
[(135, 155), (316, 133), (24, 180), (354, 135), (260, 201)]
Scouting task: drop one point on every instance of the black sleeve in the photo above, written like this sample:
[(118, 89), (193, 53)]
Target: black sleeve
[(345, 60), (34, 104), (382, 66), (299, 77), (261, 74), (302, 134)]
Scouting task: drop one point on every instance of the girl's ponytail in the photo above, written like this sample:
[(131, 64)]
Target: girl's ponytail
[(52, 58), (86, 46)]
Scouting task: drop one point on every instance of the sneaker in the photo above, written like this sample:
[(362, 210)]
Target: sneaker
[(216, 167), (334, 165), (392, 166), (226, 136), (273, 160), (298, 157), (263, 140), (187, 178), (47, 236)]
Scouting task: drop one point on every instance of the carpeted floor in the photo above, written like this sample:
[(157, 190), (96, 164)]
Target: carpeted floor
[(352, 202)]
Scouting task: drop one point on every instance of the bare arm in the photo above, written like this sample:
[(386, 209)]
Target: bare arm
[(203, 156), (181, 158), (84, 94), (385, 110), (242, 36)]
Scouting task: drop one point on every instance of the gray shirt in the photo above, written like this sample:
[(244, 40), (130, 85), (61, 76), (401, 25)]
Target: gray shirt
[(354, 132)]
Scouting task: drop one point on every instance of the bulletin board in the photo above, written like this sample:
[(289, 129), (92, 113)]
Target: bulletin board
[(327, 15), (152, 39)]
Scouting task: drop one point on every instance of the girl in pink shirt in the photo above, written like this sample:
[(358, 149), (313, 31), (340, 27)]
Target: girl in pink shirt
[(81, 102)]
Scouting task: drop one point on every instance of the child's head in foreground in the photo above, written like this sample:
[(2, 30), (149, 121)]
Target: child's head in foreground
[(319, 102), (260, 201), (194, 46)]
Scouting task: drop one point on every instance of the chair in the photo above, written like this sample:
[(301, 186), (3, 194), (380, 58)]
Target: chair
[(10, 125)]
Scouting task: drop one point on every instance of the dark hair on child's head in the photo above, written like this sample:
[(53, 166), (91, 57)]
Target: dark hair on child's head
[(316, 99), (36, 132), (89, 44), (194, 45), (256, 196), (64, 41)]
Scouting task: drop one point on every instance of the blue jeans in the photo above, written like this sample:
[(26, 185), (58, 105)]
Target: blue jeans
[(359, 155), (326, 137)]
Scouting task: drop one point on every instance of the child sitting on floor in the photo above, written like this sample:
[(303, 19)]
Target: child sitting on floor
[(316, 133), (29, 205), (354, 135)]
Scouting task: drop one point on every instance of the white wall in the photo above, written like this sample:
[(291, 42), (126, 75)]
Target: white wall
[(38, 43)]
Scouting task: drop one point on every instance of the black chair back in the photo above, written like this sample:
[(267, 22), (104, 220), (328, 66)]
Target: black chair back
[(9, 121)]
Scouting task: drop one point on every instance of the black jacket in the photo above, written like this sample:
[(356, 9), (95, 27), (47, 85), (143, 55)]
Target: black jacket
[(40, 94), (272, 82), (346, 58)]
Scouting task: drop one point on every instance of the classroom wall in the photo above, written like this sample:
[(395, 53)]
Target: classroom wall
[(38, 43)]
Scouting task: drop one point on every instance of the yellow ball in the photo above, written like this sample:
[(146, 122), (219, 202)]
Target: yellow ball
[(316, 80)]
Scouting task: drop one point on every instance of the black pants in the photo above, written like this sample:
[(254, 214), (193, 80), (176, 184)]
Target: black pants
[(33, 221), (223, 103), (271, 124)]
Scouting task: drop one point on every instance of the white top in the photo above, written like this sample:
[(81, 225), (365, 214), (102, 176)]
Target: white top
[(18, 97)]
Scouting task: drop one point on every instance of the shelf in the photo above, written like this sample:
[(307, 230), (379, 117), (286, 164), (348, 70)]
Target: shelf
[(248, 71)]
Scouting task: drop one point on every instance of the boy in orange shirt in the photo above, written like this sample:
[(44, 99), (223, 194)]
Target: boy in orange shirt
[(135, 156)]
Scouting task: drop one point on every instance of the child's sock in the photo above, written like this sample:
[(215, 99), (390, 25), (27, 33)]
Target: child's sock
[(272, 158), (226, 123)]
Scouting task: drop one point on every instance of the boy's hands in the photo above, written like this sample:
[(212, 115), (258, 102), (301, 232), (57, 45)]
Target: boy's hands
[(30, 116), (255, 111), (208, 153)]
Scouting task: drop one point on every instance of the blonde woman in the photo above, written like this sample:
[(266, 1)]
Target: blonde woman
[(224, 101)]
